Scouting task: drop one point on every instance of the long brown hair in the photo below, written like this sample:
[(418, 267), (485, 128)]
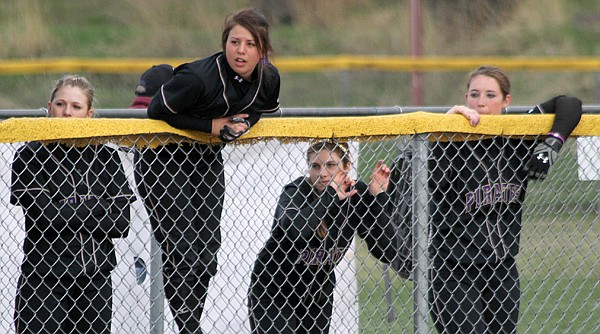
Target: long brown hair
[(494, 73), (256, 24), (332, 146)]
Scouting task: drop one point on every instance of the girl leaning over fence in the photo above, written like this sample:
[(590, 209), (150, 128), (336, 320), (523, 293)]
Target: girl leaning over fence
[(183, 185), (75, 201), (477, 192), (291, 289)]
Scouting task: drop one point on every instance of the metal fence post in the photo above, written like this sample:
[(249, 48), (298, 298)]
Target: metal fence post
[(420, 223), (157, 299)]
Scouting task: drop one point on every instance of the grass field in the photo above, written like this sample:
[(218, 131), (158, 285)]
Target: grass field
[(559, 261)]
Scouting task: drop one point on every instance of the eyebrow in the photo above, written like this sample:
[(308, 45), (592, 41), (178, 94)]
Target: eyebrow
[(485, 91)]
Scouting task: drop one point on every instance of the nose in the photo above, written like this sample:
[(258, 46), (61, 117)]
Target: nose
[(481, 101), (68, 111), (241, 49)]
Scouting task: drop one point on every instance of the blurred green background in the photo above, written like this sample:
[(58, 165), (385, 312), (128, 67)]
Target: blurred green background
[(190, 29)]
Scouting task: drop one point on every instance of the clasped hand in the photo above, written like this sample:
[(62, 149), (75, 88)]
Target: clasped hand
[(230, 128), (343, 185), (379, 181)]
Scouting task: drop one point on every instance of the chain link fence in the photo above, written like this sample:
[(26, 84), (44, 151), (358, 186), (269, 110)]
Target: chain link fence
[(558, 256)]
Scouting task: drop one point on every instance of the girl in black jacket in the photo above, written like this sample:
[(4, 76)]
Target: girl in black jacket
[(183, 185), (315, 221), (477, 193), (75, 201)]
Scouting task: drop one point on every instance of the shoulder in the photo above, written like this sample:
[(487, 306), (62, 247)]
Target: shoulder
[(197, 71), (31, 149), (108, 149), (107, 153), (299, 183), (271, 75), (201, 66), (30, 146), (299, 189)]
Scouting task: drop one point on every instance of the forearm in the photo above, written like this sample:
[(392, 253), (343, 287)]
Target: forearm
[(567, 112), (568, 115), (180, 121), (303, 222), (112, 222), (380, 233), (58, 216), (185, 122)]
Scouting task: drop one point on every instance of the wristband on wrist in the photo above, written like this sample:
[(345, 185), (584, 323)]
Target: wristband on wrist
[(557, 136)]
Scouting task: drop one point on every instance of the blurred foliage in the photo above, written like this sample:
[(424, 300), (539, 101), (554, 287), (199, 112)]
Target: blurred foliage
[(191, 29)]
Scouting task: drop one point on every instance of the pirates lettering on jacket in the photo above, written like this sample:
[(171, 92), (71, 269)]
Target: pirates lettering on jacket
[(320, 256), (78, 199), (492, 194)]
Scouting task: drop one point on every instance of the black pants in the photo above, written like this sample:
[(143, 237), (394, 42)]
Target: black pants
[(478, 299), (183, 189), (63, 305), (282, 315)]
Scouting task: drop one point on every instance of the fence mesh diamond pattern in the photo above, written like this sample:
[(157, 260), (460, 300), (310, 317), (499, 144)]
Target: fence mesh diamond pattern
[(495, 245)]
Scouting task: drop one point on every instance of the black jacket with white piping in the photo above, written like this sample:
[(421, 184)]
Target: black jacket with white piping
[(75, 200)]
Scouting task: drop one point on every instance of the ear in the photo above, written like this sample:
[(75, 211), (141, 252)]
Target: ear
[(90, 112), (506, 101), (49, 110), (347, 167)]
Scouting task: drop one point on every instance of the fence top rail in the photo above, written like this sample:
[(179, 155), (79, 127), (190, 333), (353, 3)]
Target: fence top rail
[(364, 128), (287, 112), (311, 63)]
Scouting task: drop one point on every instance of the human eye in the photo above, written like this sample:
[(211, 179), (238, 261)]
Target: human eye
[(331, 165), (491, 95), (252, 44), (474, 95), (315, 166)]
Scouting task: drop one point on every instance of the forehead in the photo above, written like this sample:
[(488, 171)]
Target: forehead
[(484, 83), (71, 93), (323, 156), (240, 32)]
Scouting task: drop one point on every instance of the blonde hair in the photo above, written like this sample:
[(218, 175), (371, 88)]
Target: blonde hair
[(75, 81)]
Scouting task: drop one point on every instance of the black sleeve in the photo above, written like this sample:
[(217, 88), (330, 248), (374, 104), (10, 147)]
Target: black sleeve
[(177, 96), (253, 118), (400, 211), (567, 112), (29, 190), (113, 222), (441, 176), (272, 103), (272, 99), (298, 217), (376, 228)]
